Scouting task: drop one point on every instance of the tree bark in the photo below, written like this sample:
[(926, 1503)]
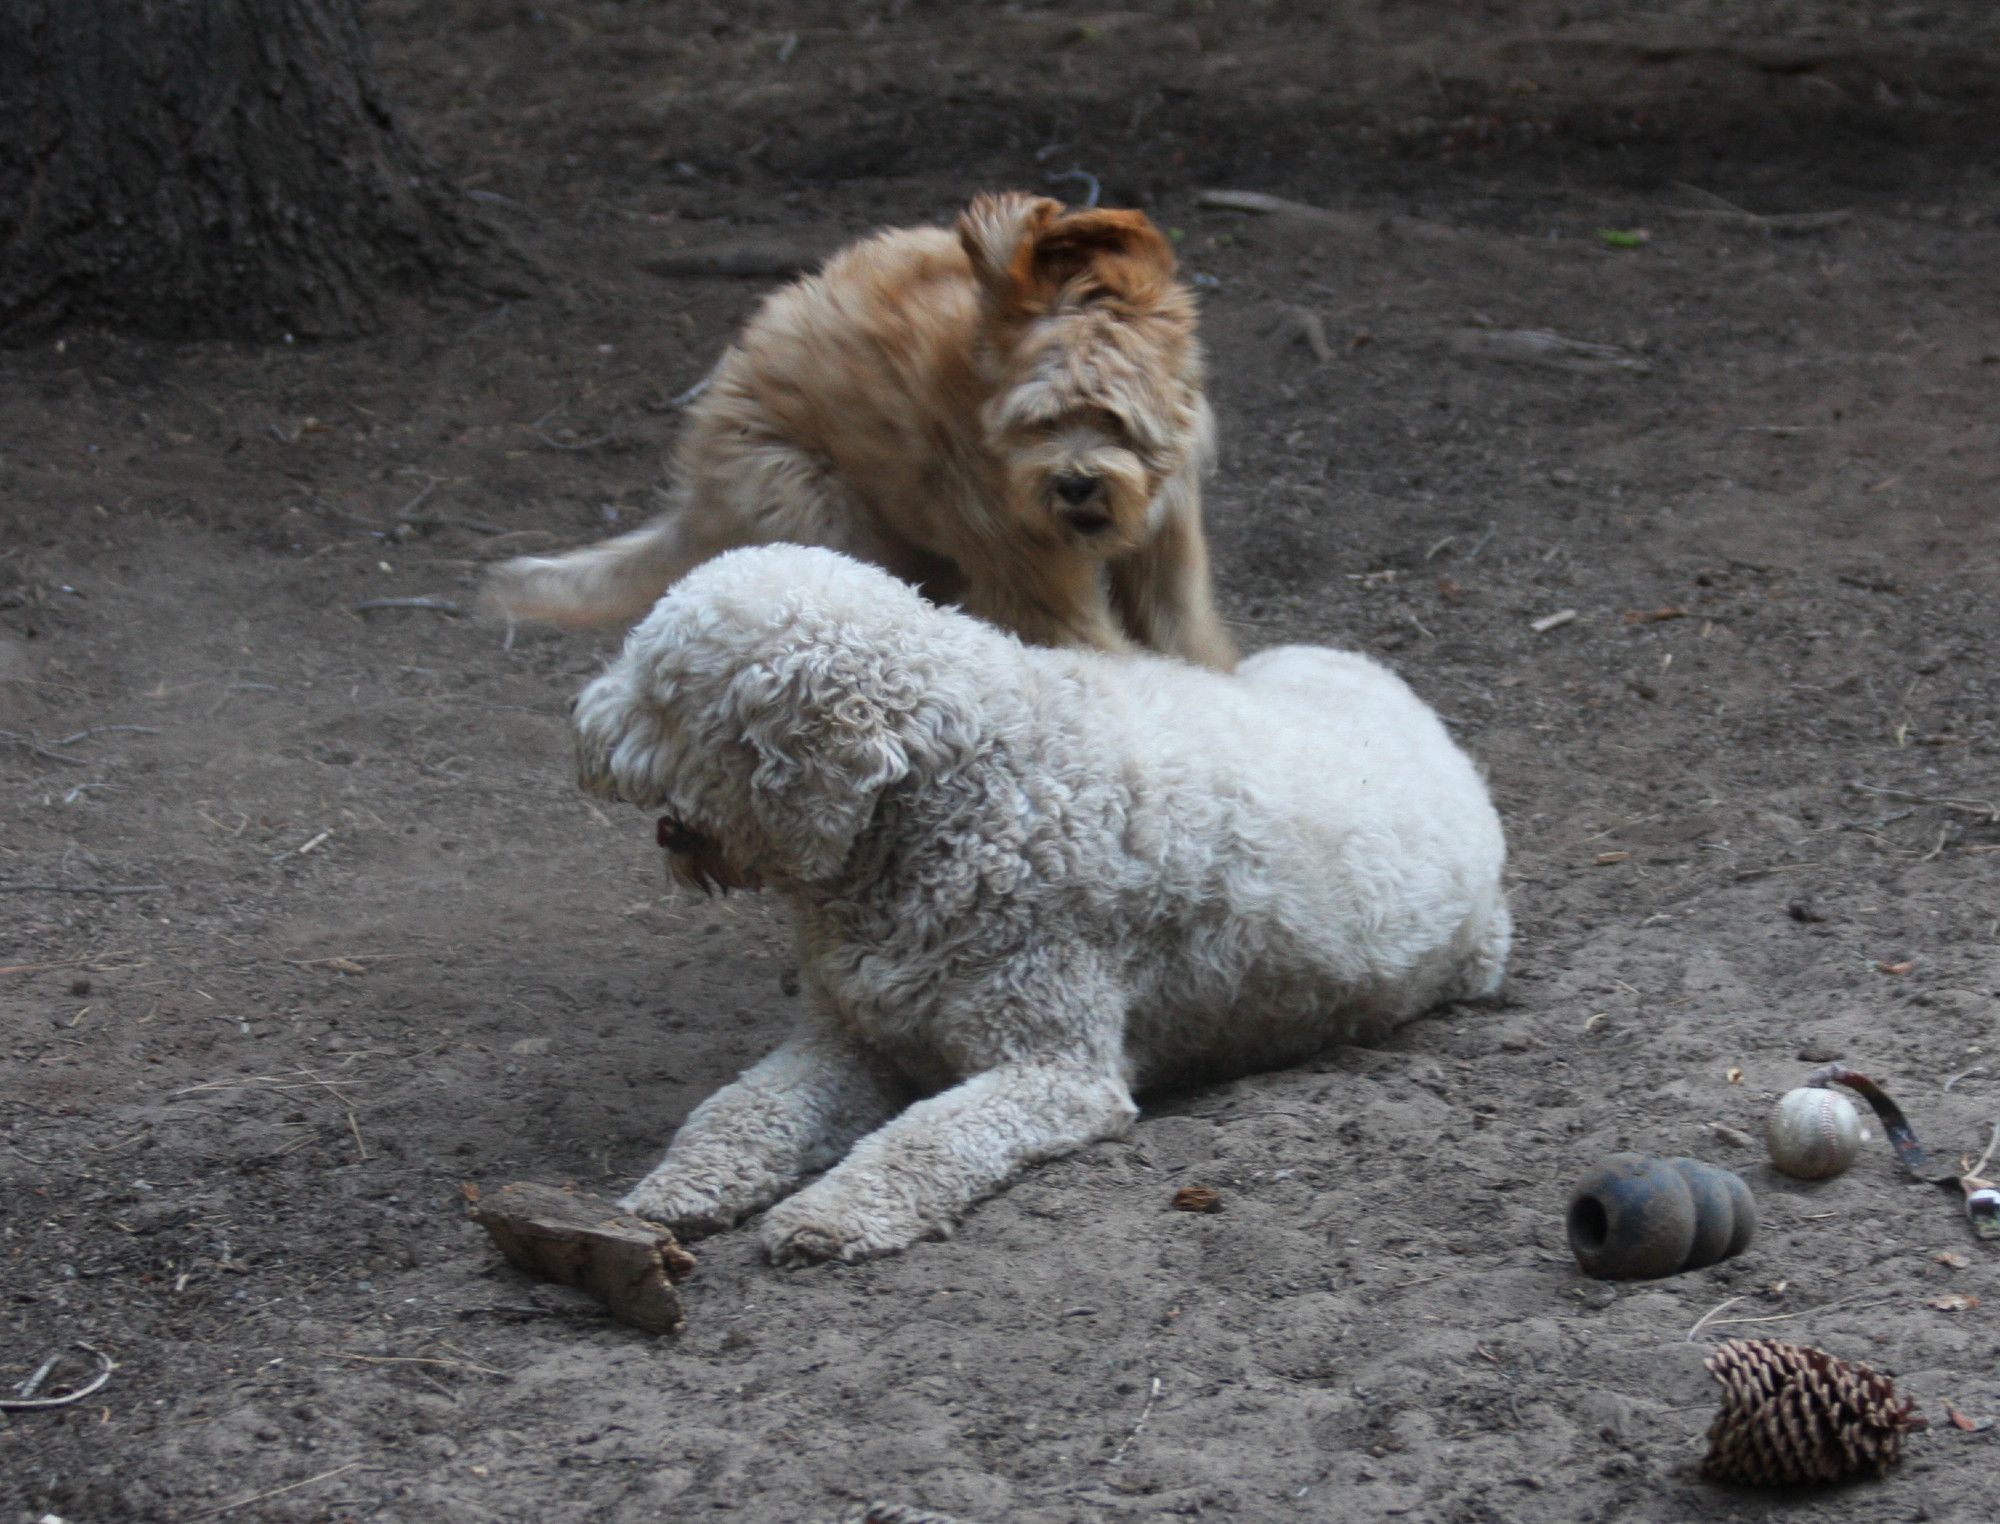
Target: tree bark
[(210, 169)]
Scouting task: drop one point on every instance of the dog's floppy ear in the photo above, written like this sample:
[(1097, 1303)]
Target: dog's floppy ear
[(825, 748), (1027, 251), (1118, 254), (995, 230)]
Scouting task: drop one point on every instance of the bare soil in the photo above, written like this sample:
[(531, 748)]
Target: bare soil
[(302, 923)]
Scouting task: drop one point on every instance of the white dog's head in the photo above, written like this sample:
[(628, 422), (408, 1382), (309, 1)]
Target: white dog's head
[(772, 696)]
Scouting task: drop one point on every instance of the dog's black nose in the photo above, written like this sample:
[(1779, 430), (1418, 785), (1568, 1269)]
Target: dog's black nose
[(1074, 487)]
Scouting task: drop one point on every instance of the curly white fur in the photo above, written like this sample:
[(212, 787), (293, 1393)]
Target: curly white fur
[(1026, 882)]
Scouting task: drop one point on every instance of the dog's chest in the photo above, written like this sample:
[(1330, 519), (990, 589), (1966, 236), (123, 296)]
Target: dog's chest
[(892, 992)]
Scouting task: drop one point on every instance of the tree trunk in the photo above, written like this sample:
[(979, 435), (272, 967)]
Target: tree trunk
[(209, 169)]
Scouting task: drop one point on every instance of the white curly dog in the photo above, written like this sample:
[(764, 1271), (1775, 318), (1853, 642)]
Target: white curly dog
[(1027, 883)]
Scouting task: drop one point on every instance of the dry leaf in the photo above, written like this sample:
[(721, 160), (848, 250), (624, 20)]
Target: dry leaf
[(1653, 616), (347, 965), (1733, 1074), (1959, 1420), (1950, 1257), (1734, 1137), (1197, 1198), (1607, 859), (1449, 590), (1897, 968), (469, 1190), (1954, 1301)]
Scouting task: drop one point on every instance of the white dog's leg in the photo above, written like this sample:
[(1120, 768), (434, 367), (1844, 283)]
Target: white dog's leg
[(745, 1146), (915, 1177)]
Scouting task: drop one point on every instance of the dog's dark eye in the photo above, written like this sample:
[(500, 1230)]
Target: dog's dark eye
[(1110, 425)]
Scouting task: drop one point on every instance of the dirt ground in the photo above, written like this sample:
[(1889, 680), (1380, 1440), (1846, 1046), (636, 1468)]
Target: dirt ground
[(303, 924)]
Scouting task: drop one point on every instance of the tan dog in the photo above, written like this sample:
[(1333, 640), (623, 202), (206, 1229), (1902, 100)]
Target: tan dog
[(1009, 415)]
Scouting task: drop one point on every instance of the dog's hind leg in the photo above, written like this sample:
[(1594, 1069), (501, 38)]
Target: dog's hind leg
[(915, 1177), (794, 1113), (1163, 592)]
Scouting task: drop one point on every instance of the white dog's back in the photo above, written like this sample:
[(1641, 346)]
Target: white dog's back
[(1319, 855)]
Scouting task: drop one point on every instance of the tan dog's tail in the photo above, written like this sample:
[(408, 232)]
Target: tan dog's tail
[(616, 582)]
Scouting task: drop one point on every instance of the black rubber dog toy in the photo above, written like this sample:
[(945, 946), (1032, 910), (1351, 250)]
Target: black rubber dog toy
[(1636, 1217)]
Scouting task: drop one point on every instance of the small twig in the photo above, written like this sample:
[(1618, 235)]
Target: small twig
[(27, 1403), (1146, 1412), (105, 730), (1965, 806), (448, 521), (1078, 174), (1791, 223), (1553, 621), (354, 1126), (471, 1365), (1962, 1074), (1978, 1171), (258, 1497), (104, 889), (1703, 1323), (29, 1387), (36, 968), (683, 399), (416, 502), (1787, 1317), (435, 605), (302, 850), (29, 743)]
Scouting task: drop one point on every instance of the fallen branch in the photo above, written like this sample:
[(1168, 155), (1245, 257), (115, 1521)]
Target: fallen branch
[(1351, 222), (1789, 224), (1533, 346)]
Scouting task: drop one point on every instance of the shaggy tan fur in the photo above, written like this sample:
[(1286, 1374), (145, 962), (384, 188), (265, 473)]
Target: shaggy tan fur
[(1009, 415)]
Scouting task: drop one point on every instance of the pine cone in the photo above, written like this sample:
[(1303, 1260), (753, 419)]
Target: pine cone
[(1792, 1414)]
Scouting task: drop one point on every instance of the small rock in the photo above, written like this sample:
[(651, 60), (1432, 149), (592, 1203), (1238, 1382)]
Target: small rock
[(1816, 1051), (79, 986), (1803, 909)]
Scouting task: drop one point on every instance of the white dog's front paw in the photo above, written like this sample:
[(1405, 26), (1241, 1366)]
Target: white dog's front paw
[(818, 1225), (680, 1205)]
